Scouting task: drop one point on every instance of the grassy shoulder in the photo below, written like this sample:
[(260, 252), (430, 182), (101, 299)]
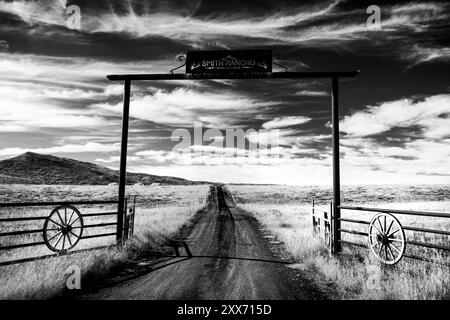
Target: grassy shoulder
[(355, 274), (44, 279)]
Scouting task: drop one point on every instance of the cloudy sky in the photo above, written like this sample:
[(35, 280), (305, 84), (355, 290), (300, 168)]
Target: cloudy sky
[(395, 116)]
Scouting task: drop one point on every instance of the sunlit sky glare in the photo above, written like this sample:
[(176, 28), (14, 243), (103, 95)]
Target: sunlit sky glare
[(395, 116)]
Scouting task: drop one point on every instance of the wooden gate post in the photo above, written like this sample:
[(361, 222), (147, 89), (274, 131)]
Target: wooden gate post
[(126, 222), (123, 160), (313, 217), (336, 168)]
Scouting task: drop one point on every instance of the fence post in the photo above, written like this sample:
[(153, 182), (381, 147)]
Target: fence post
[(126, 222), (123, 160), (134, 214), (336, 168), (332, 226), (313, 217)]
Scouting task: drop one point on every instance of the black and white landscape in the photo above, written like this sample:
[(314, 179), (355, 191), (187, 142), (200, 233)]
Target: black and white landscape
[(219, 220)]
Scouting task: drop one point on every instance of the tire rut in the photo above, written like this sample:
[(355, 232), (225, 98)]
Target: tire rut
[(231, 260)]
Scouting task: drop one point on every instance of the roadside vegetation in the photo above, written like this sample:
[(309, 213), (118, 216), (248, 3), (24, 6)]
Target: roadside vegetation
[(355, 274), (161, 211)]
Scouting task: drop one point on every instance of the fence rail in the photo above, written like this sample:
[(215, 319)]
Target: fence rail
[(383, 213), (55, 203), (323, 221), (407, 212), (66, 229)]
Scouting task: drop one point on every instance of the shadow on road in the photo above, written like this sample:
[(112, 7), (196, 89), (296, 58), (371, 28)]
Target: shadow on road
[(229, 257), (143, 268)]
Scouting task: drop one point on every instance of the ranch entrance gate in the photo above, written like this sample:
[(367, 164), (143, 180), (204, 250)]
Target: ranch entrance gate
[(240, 64)]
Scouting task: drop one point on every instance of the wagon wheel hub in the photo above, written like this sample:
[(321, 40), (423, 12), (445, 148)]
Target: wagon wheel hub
[(66, 229), (386, 238)]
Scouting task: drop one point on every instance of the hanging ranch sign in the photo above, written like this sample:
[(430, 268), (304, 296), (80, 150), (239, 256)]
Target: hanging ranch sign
[(229, 61)]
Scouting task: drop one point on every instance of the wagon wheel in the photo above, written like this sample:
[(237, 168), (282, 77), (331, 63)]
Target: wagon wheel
[(387, 238), (63, 228)]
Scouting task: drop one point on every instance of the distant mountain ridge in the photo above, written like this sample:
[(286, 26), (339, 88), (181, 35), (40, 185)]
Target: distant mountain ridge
[(34, 168)]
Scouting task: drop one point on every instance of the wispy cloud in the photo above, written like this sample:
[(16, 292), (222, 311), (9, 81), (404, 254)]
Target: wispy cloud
[(311, 93), (28, 109), (431, 113), (183, 106), (285, 121), (418, 54), (321, 25), (65, 69), (162, 23), (407, 162), (363, 161)]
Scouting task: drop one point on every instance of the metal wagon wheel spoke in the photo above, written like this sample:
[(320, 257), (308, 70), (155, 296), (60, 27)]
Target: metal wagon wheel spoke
[(64, 239), (397, 245), (70, 240), (391, 244), (396, 249), (393, 232), (381, 226), (374, 245), (390, 251), (78, 218), (63, 242), (55, 245), (381, 249), (53, 221), (54, 236), (377, 229), (75, 235), (386, 253), (76, 231), (390, 226), (59, 216), (70, 218)]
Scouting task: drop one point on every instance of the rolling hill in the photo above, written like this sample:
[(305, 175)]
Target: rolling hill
[(34, 168)]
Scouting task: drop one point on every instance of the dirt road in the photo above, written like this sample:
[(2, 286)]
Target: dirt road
[(230, 260)]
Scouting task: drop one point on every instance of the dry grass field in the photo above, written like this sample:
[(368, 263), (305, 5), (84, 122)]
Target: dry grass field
[(285, 211), (160, 212)]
